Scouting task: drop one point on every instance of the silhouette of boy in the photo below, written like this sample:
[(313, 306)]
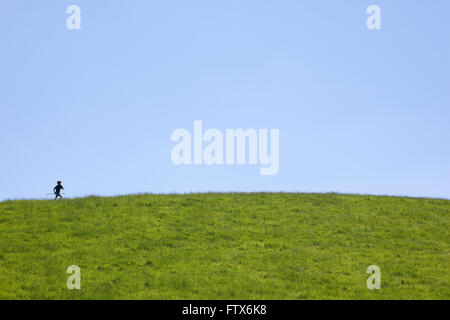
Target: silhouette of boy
[(57, 190)]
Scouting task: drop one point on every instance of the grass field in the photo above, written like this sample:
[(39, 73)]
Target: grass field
[(226, 246)]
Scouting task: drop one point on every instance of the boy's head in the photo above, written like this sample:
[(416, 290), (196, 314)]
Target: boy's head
[(58, 182)]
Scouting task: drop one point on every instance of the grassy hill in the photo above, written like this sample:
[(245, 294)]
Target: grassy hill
[(226, 246)]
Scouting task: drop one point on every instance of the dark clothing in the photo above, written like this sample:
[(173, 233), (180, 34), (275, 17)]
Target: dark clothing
[(58, 188), (57, 191)]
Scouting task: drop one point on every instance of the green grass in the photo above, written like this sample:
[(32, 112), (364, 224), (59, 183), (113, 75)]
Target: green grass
[(226, 246)]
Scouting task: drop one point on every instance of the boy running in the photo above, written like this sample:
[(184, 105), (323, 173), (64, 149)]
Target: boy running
[(57, 190)]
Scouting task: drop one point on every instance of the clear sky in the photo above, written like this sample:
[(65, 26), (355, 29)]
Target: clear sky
[(358, 111)]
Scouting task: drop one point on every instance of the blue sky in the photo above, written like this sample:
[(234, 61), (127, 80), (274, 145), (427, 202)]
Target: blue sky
[(358, 111)]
